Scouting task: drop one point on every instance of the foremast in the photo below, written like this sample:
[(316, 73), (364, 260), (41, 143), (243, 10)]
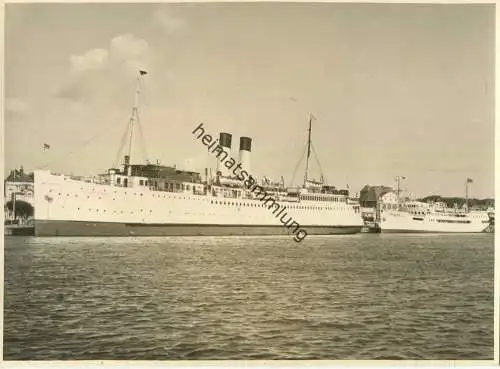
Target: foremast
[(132, 121)]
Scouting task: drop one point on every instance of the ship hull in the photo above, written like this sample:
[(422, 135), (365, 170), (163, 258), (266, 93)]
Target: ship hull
[(51, 228), (68, 207)]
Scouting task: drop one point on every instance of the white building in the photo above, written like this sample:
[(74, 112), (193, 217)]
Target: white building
[(388, 201)]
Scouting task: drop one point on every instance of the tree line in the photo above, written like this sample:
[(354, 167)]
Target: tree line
[(460, 201)]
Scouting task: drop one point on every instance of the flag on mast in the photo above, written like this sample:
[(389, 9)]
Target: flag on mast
[(142, 72), (469, 180)]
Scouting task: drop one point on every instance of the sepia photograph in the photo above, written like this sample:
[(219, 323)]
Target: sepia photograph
[(249, 181)]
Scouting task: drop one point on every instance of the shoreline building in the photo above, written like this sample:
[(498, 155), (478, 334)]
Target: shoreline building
[(19, 194)]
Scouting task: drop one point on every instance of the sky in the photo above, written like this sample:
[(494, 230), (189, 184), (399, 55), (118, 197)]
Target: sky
[(396, 89)]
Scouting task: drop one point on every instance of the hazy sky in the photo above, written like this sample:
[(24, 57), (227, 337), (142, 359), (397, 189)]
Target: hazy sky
[(396, 89)]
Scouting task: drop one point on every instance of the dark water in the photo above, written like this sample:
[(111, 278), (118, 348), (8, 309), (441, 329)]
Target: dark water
[(344, 297)]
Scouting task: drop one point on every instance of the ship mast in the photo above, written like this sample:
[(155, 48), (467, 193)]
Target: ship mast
[(132, 121), (468, 180), (398, 180), (14, 196), (467, 196), (308, 149)]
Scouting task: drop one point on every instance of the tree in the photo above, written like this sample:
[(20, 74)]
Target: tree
[(23, 209)]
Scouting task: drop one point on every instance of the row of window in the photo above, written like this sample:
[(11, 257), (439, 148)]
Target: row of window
[(258, 205), (167, 186), (447, 220), (302, 207), (453, 221), (216, 202), (417, 212), (389, 206), (288, 206), (178, 187), (114, 211), (320, 198), (131, 213), (443, 220)]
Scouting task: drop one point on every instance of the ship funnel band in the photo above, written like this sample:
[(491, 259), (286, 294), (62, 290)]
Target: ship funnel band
[(246, 143), (225, 140)]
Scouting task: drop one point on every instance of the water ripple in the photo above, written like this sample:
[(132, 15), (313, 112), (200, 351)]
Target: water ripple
[(252, 298)]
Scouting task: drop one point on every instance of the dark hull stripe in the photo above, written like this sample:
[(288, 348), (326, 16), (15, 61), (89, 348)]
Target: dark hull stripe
[(21, 231), (47, 228)]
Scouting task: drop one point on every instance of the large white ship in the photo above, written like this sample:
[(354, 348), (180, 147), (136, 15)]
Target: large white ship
[(155, 200)]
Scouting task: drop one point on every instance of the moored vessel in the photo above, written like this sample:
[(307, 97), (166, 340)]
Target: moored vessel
[(155, 200), (432, 217), (420, 217)]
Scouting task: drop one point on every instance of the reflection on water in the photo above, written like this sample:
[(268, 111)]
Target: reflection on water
[(342, 297)]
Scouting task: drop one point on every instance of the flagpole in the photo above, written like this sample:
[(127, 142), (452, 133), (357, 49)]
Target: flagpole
[(467, 195), (14, 196), (397, 179)]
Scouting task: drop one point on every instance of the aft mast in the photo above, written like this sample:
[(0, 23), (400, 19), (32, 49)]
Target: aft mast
[(308, 150), (132, 121)]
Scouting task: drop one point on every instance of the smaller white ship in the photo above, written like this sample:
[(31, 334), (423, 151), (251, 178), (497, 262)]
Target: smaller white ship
[(432, 217), (418, 217)]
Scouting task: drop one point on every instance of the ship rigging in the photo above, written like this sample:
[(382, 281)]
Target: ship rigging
[(129, 132)]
